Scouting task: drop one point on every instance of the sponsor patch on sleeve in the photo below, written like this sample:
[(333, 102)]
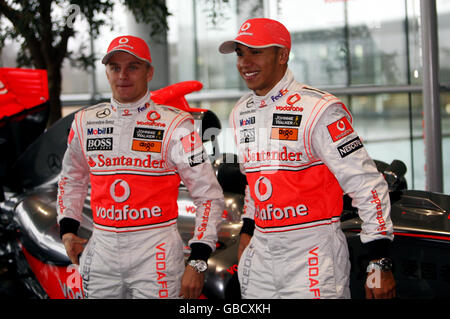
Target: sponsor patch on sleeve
[(191, 142), (197, 159), (350, 147), (340, 129)]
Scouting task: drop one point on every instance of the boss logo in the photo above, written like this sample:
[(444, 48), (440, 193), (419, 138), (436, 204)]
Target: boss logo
[(247, 136), (99, 144)]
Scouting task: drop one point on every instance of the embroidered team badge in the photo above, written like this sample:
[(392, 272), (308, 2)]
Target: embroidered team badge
[(340, 129)]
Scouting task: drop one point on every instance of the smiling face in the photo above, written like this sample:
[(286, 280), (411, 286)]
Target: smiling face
[(261, 69), (128, 77)]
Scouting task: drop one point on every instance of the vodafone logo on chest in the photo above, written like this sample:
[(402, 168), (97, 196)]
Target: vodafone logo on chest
[(119, 191), (263, 189)]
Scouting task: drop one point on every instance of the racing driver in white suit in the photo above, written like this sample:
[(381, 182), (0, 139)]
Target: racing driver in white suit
[(134, 153), (300, 154)]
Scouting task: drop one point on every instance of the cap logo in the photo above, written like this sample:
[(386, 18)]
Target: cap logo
[(3, 89), (246, 26), (123, 40)]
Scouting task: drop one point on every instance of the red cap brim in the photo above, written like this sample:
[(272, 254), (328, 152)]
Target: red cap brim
[(110, 54)]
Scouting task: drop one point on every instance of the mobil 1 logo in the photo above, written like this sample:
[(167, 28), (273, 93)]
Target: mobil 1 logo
[(99, 144)]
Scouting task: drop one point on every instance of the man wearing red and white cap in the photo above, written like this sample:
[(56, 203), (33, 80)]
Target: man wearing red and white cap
[(134, 153), (300, 154)]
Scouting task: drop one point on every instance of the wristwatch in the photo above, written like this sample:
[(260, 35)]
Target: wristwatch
[(383, 264), (199, 265)]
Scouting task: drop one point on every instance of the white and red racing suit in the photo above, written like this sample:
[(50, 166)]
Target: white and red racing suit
[(134, 157), (300, 154)]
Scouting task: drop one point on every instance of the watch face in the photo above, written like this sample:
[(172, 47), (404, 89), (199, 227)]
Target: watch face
[(201, 266), (386, 264)]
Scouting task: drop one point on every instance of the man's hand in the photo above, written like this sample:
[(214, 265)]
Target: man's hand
[(74, 246), (243, 242), (380, 285), (191, 283)]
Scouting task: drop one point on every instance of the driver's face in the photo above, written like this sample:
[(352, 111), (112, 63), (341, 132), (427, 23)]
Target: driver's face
[(128, 77), (261, 69)]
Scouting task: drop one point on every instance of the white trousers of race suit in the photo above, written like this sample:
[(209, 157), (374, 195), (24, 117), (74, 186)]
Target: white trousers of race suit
[(141, 264), (299, 264)]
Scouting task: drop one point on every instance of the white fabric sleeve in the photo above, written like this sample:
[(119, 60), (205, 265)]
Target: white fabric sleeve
[(188, 156), (355, 171), (74, 179)]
